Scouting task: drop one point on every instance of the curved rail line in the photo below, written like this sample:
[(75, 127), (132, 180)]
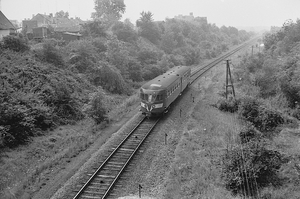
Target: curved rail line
[(104, 178), (102, 181)]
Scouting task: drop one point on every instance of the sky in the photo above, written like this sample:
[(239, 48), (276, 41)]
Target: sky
[(236, 13)]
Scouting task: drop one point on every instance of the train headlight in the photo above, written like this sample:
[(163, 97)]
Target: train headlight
[(157, 105), (143, 105)]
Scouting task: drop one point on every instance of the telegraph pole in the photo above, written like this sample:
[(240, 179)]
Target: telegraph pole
[(228, 77)]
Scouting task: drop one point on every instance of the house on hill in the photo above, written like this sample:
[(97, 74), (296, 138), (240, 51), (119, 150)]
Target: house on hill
[(6, 27), (45, 26), (201, 20), (43, 20)]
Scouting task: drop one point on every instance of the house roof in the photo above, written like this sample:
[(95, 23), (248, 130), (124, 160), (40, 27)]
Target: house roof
[(66, 25), (5, 24), (46, 17)]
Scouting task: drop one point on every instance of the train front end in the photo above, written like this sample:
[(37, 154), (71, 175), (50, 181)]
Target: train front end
[(152, 100)]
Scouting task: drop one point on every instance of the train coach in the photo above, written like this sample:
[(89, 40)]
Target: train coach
[(157, 94)]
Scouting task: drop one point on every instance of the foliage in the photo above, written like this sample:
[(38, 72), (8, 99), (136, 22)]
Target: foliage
[(110, 79), (251, 167), (249, 134), (228, 105), (51, 54), (148, 56), (191, 55), (94, 28), (109, 10), (151, 71), (62, 14), (20, 115), (147, 28), (284, 39), (117, 54), (15, 43), (99, 44), (36, 96), (125, 32), (96, 107), (82, 56), (167, 42), (263, 119), (134, 70), (291, 91)]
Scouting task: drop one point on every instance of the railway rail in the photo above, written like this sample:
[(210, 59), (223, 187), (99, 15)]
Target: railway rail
[(105, 177), (199, 72), (102, 181)]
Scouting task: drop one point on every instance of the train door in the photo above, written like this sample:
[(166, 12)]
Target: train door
[(181, 84)]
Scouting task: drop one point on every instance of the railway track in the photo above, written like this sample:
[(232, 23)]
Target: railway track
[(102, 181), (199, 72)]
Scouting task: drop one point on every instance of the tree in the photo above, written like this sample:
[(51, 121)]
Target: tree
[(94, 29), (109, 10), (124, 32), (168, 43), (148, 29), (62, 14)]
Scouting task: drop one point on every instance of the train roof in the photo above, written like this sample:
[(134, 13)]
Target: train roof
[(166, 79)]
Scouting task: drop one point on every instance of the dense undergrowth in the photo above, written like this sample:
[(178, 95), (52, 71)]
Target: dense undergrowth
[(260, 164)]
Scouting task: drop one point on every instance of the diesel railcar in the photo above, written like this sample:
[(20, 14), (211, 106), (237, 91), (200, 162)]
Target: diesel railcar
[(157, 94)]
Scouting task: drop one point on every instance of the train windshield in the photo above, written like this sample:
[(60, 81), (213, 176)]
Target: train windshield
[(151, 97)]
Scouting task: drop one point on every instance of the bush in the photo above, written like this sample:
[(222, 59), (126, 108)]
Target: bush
[(35, 96), (228, 105), (96, 109), (52, 55), (250, 168), (83, 55), (134, 70), (249, 134), (110, 79), (291, 91), (263, 119), (268, 120), (15, 44), (66, 107), (21, 115), (249, 109)]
